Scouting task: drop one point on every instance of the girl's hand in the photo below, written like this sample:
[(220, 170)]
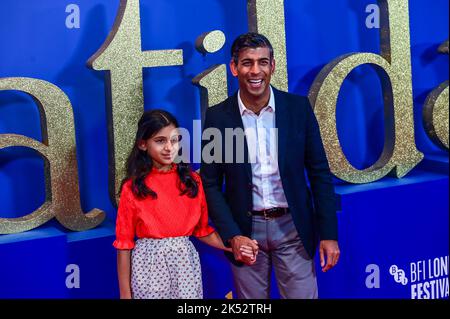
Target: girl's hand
[(248, 252)]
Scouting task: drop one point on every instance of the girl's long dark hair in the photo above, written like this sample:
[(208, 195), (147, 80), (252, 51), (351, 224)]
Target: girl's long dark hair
[(139, 164)]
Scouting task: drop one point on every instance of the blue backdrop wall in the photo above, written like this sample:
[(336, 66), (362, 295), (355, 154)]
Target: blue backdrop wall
[(35, 42)]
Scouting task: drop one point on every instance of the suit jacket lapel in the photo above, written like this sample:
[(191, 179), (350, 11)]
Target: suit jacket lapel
[(281, 123), (234, 113)]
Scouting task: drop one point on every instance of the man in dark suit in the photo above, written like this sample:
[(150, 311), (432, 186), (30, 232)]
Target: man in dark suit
[(266, 196)]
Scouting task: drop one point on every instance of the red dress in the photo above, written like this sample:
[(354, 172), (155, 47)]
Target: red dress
[(169, 215)]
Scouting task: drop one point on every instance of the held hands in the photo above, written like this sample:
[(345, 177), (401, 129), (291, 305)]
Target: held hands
[(328, 249), (248, 254), (244, 249)]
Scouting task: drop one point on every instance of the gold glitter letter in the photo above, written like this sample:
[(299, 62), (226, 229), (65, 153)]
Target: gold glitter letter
[(122, 56), (267, 17), (213, 86), (212, 82), (435, 112), (62, 199), (400, 154)]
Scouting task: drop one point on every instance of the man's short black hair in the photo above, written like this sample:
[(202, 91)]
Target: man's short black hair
[(249, 40)]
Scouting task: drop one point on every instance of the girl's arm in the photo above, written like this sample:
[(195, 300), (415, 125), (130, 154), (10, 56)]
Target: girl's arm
[(215, 241), (124, 272)]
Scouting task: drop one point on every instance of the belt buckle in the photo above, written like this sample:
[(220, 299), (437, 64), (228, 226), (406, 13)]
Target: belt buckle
[(268, 211)]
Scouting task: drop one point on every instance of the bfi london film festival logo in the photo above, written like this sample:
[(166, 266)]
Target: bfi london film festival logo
[(428, 279)]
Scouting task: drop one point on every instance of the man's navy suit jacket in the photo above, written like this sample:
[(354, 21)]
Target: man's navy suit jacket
[(300, 151)]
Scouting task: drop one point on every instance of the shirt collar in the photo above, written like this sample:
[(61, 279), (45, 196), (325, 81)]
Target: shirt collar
[(243, 108)]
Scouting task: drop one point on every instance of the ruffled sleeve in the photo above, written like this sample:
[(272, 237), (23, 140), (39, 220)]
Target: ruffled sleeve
[(126, 219), (202, 229)]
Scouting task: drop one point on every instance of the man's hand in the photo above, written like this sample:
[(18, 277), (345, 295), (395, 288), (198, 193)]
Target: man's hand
[(238, 244), (328, 249)]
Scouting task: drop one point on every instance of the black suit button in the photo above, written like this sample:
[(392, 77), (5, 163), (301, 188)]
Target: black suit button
[(249, 214)]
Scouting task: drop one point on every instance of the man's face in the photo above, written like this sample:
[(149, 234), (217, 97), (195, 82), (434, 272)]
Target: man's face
[(254, 71)]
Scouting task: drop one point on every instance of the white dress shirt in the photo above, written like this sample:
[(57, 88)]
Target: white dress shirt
[(261, 135)]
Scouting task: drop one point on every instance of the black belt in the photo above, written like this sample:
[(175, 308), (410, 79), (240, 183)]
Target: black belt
[(271, 212)]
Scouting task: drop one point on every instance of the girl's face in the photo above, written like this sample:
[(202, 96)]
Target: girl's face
[(162, 147)]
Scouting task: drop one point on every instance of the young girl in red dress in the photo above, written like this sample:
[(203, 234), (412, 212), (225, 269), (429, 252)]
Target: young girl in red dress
[(162, 204)]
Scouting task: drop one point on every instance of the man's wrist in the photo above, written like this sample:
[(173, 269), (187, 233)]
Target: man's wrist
[(230, 240)]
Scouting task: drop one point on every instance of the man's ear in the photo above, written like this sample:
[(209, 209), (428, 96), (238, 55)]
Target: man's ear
[(233, 68), (273, 66), (142, 145)]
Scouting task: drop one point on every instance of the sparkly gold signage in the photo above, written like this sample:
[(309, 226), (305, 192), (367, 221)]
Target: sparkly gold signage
[(123, 59), (400, 154), (122, 56), (212, 82), (435, 112), (264, 16), (267, 17), (62, 197), (443, 48)]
